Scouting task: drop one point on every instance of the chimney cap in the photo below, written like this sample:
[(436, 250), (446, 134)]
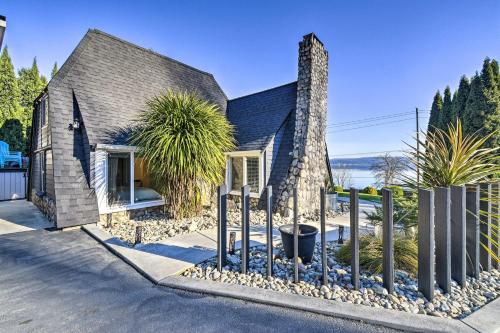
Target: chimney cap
[(311, 36)]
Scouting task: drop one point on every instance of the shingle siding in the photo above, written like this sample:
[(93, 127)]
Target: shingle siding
[(258, 117)]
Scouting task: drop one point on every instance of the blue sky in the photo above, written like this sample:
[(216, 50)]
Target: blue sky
[(386, 57)]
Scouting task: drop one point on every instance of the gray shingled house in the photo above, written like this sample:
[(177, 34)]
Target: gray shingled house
[(83, 169)]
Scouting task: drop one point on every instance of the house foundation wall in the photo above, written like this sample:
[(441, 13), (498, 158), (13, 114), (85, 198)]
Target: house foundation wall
[(46, 205)]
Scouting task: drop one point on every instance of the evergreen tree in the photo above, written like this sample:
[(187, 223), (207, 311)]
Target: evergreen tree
[(489, 76), (12, 133), (437, 105), (54, 70), (31, 84), (475, 107), (445, 116), (9, 91), (459, 99)]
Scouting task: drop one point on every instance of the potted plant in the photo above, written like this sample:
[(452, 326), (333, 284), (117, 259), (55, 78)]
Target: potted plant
[(307, 240)]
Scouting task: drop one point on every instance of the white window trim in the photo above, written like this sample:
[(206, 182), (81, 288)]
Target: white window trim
[(244, 155), (101, 167)]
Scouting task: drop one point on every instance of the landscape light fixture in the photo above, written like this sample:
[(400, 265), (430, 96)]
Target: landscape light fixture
[(341, 234), (3, 25)]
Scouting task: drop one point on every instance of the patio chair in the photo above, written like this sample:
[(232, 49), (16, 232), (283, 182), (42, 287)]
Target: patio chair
[(7, 156)]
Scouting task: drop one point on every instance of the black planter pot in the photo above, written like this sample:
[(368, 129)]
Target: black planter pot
[(307, 241)]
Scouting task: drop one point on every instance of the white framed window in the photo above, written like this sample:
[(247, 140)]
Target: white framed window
[(121, 182), (245, 168)]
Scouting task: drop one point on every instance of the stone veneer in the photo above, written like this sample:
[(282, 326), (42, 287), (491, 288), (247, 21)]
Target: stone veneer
[(126, 215), (308, 170), (46, 204)]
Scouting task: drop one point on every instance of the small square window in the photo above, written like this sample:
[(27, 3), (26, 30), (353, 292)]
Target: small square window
[(253, 174)]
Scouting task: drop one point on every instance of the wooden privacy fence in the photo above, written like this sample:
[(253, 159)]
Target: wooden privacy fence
[(13, 184), (455, 234)]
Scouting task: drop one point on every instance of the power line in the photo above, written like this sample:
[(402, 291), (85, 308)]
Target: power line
[(370, 119), (372, 125), (369, 153)]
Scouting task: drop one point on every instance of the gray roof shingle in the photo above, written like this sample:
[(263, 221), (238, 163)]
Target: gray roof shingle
[(257, 117), (115, 78)]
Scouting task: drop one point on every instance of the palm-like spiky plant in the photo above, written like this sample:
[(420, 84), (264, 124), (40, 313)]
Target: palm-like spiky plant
[(450, 158), (182, 140)]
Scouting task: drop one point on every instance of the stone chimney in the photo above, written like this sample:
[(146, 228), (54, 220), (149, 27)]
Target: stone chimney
[(308, 170)]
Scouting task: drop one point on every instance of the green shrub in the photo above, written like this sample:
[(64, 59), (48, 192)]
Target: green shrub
[(338, 188), (370, 190), (371, 249), (397, 191)]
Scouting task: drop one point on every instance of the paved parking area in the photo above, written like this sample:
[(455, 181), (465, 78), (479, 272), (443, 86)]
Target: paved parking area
[(64, 281), (21, 215)]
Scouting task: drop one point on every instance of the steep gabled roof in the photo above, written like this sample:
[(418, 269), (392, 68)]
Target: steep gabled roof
[(257, 117), (112, 79)]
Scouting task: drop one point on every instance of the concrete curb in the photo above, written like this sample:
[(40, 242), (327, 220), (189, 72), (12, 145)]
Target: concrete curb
[(376, 316), (382, 317)]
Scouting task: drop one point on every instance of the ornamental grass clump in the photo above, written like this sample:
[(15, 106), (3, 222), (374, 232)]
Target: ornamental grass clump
[(183, 140), (371, 252)]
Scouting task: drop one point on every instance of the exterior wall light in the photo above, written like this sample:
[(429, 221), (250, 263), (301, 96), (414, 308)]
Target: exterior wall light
[(75, 125)]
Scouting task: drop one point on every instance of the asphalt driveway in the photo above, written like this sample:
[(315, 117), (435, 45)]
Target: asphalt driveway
[(21, 215), (66, 282)]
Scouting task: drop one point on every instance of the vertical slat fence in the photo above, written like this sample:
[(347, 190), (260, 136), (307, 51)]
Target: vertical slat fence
[(295, 236), (442, 216), (458, 239), (245, 227), (426, 243), (221, 227), (472, 230), (496, 222), (269, 229), (388, 240), (324, 260), (485, 227), (354, 234)]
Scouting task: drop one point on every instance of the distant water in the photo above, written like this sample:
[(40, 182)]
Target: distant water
[(361, 178)]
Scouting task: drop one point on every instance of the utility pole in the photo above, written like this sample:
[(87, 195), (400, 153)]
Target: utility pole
[(3, 25), (418, 149)]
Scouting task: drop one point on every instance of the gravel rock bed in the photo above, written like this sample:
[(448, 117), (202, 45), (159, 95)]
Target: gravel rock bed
[(458, 304), (159, 226)]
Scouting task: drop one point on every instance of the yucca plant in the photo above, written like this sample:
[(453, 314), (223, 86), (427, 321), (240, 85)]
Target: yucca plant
[(450, 158), (183, 139)]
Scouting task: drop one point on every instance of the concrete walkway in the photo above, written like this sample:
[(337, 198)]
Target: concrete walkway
[(21, 215), (176, 254)]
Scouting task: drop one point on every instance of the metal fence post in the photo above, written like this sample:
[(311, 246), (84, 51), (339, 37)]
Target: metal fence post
[(322, 210), (472, 230), (485, 227), (354, 233), (458, 240), (388, 240), (221, 226), (442, 206), (426, 243), (496, 221), (269, 223), (245, 227), (295, 236)]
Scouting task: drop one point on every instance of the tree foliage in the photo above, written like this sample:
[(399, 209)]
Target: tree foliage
[(183, 140), (12, 133), (460, 99), (54, 71), (9, 90), (31, 84), (437, 105), (445, 116)]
